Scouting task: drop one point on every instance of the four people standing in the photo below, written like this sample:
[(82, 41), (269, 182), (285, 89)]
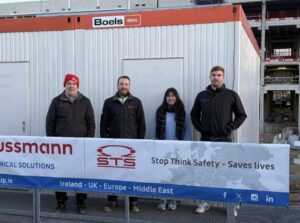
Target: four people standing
[(71, 115)]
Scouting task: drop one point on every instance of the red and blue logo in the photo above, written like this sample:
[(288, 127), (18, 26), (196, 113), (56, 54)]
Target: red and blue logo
[(116, 156)]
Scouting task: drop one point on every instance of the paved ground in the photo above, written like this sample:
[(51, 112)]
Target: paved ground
[(17, 207)]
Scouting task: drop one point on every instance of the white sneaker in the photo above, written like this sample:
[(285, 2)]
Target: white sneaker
[(161, 206), (202, 208), (171, 205), (236, 210)]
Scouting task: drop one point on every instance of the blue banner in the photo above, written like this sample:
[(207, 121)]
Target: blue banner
[(226, 172), (147, 189)]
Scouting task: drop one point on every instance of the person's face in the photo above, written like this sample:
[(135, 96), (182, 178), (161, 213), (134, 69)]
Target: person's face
[(123, 86), (71, 88), (171, 99), (216, 78)]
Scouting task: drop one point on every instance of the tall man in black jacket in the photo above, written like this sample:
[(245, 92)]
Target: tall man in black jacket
[(122, 117), (70, 115), (212, 114)]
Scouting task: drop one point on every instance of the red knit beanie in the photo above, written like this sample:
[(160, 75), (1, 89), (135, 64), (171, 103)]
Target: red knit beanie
[(71, 77)]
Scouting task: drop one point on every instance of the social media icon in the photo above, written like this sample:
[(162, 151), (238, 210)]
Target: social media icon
[(254, 197), (269, 199), (239, 196)]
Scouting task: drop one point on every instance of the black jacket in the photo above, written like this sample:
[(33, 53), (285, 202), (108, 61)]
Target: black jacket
[(212, 113), (123, 120), (70, 119)]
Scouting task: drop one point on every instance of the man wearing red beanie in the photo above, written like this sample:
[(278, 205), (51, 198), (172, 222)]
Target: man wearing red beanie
[(66, 115), (71, 77)]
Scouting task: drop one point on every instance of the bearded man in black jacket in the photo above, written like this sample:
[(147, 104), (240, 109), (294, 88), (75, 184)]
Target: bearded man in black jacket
[(122, 117)]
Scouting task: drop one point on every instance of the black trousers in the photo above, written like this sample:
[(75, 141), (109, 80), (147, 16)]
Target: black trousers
[(63, 196), (115, 198)]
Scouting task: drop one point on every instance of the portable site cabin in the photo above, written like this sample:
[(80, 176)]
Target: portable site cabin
[(157, 49)]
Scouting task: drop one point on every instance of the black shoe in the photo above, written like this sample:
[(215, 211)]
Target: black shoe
[(61, 205), (81, 208), (110, 206)]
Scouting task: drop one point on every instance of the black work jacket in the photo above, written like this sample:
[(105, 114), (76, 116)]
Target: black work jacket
[(70, 119), (122, 120), (212, 113)]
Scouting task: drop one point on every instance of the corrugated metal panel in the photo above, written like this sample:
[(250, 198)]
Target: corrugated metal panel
[(96, 56), (139, 4), (170, 3), (54, 5), (248, 72), (50, 55), (201, 46)]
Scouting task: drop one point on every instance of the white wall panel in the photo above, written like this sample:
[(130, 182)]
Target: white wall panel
[(54, 5), (138, 4), (50, 55), (25, 8), (79, 5), (170, 3), (45, 6), (248, 63)]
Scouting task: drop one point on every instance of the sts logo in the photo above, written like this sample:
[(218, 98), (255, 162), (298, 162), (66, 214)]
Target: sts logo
[(116, 156)]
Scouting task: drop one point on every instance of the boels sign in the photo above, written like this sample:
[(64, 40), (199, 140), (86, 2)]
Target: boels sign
[(116, 21)]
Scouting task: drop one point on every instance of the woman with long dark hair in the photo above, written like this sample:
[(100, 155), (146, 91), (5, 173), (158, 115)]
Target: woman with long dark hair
[(172, 123)]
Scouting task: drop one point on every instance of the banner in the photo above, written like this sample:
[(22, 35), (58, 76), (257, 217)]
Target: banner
[(215, 171)]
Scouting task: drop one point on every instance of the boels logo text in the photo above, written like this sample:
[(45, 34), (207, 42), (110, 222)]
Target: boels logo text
[(116, 21), (116, 156)]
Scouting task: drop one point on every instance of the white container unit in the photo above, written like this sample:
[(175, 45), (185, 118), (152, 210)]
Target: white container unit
[(157, 49)]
